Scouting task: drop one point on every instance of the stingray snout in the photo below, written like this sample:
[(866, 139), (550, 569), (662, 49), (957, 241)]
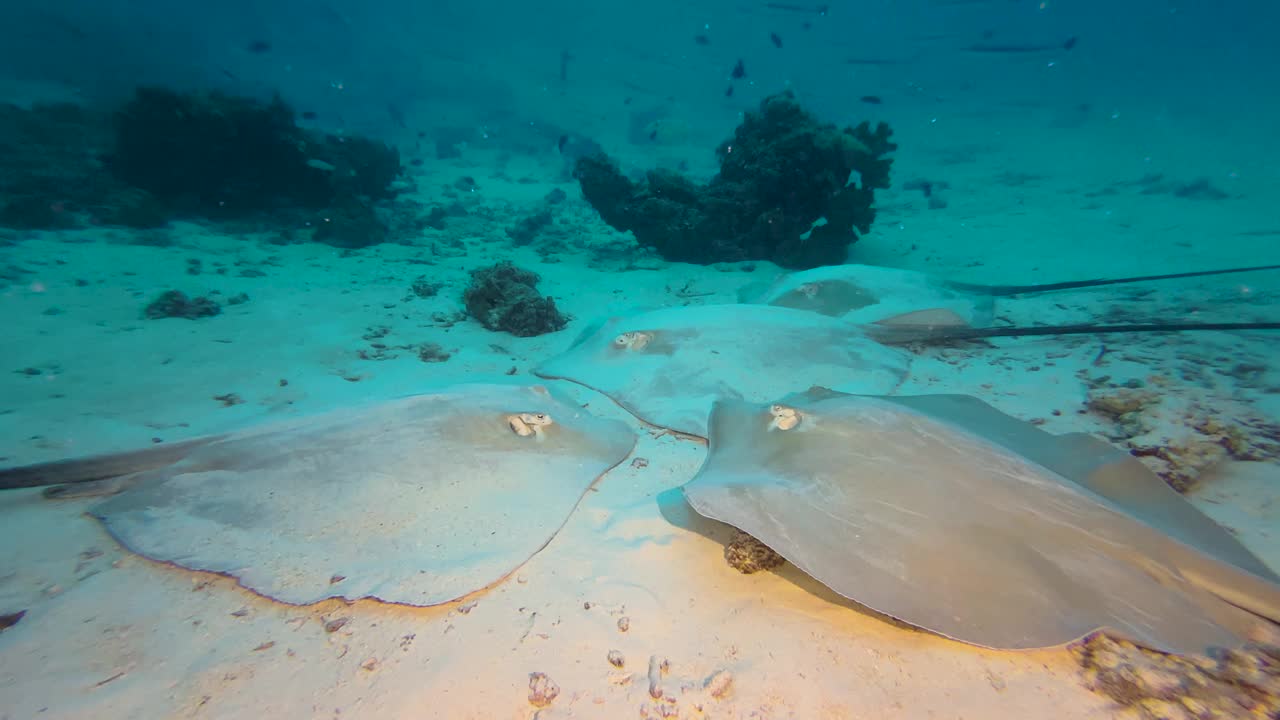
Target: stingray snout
[(528, 424)]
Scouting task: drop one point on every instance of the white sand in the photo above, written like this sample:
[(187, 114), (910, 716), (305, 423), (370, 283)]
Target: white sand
[(110, 635)]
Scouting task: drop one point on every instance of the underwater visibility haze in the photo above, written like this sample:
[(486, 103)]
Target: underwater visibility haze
[(733, 359)]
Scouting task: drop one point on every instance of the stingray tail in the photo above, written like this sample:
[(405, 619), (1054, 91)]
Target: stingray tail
[(99, 467), (1233, 584), (897, 334), (1004, 290)]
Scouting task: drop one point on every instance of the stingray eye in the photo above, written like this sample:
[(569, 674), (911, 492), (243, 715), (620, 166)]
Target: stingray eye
[(536, 420), (634, 340), (784, 418)]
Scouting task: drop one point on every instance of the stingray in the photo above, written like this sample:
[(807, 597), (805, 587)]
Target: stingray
[(667, 366), (418, 501), (867, 294), (944, 513)]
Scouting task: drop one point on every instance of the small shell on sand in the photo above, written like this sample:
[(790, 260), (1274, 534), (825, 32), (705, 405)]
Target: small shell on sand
[(719, 684), (542, 689), (657, 668)]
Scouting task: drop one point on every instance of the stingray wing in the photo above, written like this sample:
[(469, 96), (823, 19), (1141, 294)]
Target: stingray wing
[(934, 524), (668, 366), (418, 501)]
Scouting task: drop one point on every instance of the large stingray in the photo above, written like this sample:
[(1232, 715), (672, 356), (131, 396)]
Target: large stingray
[(419, 500), (867, 294), (951, 516), (667, 366)]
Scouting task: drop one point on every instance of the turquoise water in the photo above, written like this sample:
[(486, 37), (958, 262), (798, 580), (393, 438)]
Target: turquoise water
[(217, 217)]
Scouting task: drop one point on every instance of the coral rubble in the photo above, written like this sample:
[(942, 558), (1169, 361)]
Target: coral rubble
[(1242, 683), (504, 297), (748, 555), (167, 155), (176, 304), (1183, 435), (790, 189)]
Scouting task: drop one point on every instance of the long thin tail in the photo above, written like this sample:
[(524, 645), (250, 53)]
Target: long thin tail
[(893, 335), (1004, 290), (99, 467)]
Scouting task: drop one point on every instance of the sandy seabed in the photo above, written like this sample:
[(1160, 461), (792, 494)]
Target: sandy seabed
[(631, 610)]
